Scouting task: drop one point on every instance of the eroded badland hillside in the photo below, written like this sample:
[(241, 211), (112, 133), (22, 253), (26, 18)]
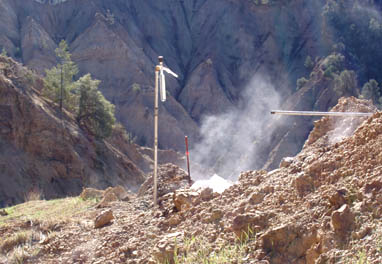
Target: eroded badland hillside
[(302, 194), (321, 206)]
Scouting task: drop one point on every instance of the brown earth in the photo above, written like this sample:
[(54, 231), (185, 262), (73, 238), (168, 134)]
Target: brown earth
[(321, 206), (45, 151), (217, 48)]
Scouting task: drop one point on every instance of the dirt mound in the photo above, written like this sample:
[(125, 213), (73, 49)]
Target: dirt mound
[(329, 130), (322, 206), (170, 179)]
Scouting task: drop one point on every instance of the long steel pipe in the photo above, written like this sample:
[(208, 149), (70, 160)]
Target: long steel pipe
[(312, 113)]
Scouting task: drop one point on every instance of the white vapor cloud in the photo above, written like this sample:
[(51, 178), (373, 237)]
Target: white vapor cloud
[(230, 141)]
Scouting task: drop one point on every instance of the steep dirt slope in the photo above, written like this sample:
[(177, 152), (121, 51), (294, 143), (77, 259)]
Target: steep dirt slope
[(216, 47), (290, 132), (321, 206), (44, 151)]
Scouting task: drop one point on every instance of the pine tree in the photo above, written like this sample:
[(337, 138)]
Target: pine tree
[(370, 90), (345, 83), (4, 52), (309, 64), (58, 82), (95, 113)]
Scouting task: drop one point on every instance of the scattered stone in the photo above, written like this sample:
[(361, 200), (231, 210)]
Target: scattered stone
[(183, 198), (3, 212), (103, 218), (207, 194), (286, 162), (247, 223), (374, 186), (363, 232), (214, 216), (170, 179), (119, 191), (256, 198), (337, 199), (174, 220), (342, 219), (290, 241), (164, 250), (107, 199), (91, 193), (303, 183), (312, 254)]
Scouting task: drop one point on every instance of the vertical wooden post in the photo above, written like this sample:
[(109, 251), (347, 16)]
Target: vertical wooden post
[(157, 68)]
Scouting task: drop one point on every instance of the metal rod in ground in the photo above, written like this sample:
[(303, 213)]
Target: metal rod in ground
[(157, 68), (188, 160), (313, 113)]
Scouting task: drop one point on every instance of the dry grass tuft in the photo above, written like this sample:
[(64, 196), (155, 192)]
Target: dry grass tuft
[(17, 239), (199, 250), (33, 195), (19, 256), (49, 214)]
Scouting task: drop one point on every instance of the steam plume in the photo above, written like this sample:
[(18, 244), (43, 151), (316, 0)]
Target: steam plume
[(230, 141)]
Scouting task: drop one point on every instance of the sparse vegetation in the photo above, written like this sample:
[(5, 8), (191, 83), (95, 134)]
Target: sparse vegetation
[(41, 210), (110, 17), (120, 132), (17, 239), (18, 52), (346, 83), (301, 82), (3, 52), (371, 91), (358, 28), (19, 256), (136, 87), (20, 246), (95, 113), (58, 82), (333, 64), (199, 250), (360, 258), (33, 195), (31, 77), (309, 64)]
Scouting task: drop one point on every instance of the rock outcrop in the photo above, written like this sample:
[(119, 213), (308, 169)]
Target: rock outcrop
[(216, 47), (44, 150)]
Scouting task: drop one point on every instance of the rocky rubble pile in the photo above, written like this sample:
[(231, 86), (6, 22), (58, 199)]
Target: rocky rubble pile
[(322, 206), (318, 207)]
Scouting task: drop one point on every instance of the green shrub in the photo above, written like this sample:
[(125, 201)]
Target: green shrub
[(370, 91), (199, 250), (58, 82), (95, 113), (346, 83), (136, 87), (301, 82), (333, 64), (309, 64), (3, 52)]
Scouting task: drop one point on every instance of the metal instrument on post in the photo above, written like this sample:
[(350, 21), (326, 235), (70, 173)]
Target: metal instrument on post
[(161, 82)]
